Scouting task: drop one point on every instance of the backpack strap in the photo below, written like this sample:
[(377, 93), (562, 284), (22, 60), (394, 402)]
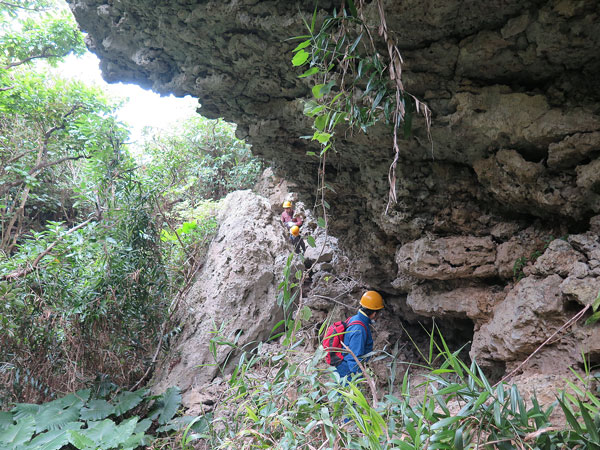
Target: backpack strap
[(354, 323)]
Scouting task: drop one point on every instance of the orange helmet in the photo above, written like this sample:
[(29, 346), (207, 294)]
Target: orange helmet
[(295, 230), (372, 300), (287, 204)]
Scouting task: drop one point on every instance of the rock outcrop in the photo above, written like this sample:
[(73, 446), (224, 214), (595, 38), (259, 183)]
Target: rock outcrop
[(235, 296), (515, 96)]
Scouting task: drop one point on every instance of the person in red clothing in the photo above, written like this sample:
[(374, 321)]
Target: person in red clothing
[(287, 216)]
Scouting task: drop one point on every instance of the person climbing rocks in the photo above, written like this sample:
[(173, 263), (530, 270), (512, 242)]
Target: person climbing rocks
[(297, 241), (287, 216), (358, 336)]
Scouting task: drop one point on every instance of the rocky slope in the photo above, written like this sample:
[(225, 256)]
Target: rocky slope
[(495, 227)]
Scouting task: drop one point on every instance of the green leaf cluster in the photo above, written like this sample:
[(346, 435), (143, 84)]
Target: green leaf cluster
[(198, 159), (302, 405), (31, 30), (352, 85), (126, 421)]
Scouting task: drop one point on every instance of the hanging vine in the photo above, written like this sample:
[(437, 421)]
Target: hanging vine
[(354, 83)]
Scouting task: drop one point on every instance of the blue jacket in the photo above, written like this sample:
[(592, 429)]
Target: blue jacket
[(359, 340)]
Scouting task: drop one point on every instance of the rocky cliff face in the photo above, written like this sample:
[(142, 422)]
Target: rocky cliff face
[(515, 96), (235, 297)]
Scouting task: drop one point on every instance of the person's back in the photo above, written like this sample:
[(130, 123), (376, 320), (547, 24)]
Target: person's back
[(358, 337), (359, 341)]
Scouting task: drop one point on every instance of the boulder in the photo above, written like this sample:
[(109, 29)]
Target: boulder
[(529, 314), (475, 302), (235, 296), (560, 258)]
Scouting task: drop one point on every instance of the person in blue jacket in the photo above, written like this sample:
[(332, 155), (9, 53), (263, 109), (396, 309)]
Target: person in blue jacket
[(358, 337)]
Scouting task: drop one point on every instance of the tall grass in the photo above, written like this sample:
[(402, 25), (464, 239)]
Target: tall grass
[(280, 400)]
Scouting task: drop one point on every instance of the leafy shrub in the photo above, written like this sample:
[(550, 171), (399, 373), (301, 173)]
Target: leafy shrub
[(93, 421), (202, 159), (186, 236), (103, 284), (297, 404)]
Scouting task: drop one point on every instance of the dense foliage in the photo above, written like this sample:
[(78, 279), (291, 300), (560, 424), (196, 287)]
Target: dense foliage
[(98, 419), (199, 159), (281, 399), (79, 242), (94, 245)]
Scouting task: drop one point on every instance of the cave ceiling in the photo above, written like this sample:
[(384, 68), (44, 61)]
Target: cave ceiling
[(513, 87)]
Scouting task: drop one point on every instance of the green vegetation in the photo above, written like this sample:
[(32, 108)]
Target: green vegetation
[(102, 419), (296, 403), (94, 245), (200, 158), (354, 84)]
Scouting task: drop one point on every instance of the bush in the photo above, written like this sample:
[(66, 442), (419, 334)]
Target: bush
[(297, 404), (202, 159)]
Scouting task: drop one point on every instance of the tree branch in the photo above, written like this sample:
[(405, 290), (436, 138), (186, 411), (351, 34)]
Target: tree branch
[(33, 265), (6, 186), (44, 55)]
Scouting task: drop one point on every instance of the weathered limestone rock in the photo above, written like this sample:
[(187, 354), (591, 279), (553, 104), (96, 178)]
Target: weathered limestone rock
[(528, 187), (524, 245), (560, 258), (448, 258), (474, 302), (572, 150), (235, 292), (529, 314), (514, 91), (583, 290)]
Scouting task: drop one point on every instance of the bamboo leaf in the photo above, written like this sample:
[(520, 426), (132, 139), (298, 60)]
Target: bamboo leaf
[(570, 417), (589, 423), (355, 43), (300, 58), (352, 8), (445, 422)]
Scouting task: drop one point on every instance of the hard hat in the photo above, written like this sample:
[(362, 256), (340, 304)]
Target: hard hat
[(372, 300), (295, 230), (287, 204)]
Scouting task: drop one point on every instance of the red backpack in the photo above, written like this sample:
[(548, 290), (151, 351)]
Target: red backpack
[(330, 344)]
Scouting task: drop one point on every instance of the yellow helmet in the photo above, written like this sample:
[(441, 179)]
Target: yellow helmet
[(287, 204), (372, 300), (295, 230)]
